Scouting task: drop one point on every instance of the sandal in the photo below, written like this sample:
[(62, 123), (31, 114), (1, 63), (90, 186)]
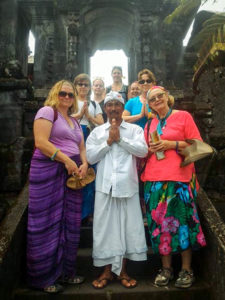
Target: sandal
[(53, 289), (128, 281), (101, 280), (74, 280)]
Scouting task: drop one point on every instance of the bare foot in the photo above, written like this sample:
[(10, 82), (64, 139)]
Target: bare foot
[(126, 281), (103, 280)]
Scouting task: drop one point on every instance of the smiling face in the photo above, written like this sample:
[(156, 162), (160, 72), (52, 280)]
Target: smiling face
[(114, 110), (146, 83), (66, 96), (83, 88), (135, 90), (117, 75), (98, 87), (158, 100)]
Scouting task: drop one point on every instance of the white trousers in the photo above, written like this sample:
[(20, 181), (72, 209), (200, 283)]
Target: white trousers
[(118, 231)]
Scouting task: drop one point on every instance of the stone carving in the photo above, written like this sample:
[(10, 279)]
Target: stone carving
[(72, 45), (11, 69), (146, 43)]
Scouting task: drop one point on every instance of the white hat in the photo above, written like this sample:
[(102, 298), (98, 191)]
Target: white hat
[(113, 96)]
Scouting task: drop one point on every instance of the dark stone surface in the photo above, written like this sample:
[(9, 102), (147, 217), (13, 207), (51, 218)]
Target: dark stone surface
[(12, 246), (213, 259)]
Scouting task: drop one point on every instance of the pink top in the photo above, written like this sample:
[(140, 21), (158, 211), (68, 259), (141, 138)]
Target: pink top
[(64, 137), (179, 127)]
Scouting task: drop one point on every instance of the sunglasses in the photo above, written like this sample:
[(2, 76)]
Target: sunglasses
[(159, 96), (64, 94), (145, 81), (83, 84)]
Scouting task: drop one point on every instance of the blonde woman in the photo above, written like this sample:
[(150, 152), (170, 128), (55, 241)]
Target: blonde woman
[(54, 211), (136, 110), (89, 114)]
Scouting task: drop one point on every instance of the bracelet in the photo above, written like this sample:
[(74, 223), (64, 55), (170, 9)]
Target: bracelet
[(54, 154), (177, 145), (149, 115)]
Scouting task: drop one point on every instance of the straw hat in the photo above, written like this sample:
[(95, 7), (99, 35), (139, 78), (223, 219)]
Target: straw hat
[(197, 150), (75, 183)]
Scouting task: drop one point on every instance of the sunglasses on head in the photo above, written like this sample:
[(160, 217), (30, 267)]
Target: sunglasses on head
[(83, 84), (159, 96), (64, 94), (144, 81)]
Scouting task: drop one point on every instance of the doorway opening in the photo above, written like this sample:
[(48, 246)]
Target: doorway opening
[(31, 47), (102, 62)]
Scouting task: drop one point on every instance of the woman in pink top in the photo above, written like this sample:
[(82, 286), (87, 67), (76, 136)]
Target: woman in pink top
[(170, 190)]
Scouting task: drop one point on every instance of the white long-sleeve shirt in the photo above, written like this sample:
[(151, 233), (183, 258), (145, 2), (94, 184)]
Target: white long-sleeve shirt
[(116, 168)]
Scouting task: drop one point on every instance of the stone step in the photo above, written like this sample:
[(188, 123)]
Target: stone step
[(144, 272), (85, 265), (145, 290), (136, 268)]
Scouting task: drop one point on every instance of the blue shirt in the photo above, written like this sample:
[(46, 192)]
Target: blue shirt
[(134, 107)]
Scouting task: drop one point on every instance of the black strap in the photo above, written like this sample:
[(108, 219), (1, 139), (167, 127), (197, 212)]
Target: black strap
[(55, 115), (148, 128), (146, 158), (93, 103)]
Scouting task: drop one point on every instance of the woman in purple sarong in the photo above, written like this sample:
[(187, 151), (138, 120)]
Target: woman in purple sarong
[(54, 211)]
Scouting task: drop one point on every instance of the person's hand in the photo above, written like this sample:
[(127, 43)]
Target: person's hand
[(114, 133), (161, 145), (71, 167), (143, 109), (84, 108), (83, 170)]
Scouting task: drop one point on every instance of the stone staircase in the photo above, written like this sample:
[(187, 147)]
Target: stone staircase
[(144, 272)]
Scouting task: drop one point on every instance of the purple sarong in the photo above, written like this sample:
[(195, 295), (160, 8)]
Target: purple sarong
[(54, 218)]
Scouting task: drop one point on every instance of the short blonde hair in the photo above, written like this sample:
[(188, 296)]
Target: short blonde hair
[(170, 97), (148, 72), (53, 96), (100, 79)]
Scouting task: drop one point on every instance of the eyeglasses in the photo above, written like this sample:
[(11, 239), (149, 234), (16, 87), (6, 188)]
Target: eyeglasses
[(145, 81), (83, 84), (159, 96), (64, 94)]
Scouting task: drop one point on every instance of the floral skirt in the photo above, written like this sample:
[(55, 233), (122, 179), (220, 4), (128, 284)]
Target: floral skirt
[(173, 221)]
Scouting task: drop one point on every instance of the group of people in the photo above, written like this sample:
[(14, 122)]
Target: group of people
[(113, 133)]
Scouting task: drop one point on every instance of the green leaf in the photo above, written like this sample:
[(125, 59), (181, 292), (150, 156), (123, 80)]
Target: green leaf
[(178, 210), (183, 9)]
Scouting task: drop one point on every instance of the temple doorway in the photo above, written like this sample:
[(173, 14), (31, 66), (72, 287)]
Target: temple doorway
[(102, 62)]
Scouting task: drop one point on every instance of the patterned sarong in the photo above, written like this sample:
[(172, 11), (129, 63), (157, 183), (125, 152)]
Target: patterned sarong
[(54, 217), (172, 216)]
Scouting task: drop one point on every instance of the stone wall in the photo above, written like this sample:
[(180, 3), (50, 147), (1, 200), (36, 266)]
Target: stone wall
[(211, 91)]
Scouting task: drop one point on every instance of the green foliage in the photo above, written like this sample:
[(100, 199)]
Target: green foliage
[(183, 10), (213, 31)]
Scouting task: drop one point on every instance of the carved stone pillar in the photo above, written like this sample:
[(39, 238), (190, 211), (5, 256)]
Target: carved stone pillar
[(146, 49), (44, 53), (72, 46)]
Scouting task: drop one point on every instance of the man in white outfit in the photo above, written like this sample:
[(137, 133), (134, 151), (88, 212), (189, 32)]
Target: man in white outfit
[(118, 230)]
